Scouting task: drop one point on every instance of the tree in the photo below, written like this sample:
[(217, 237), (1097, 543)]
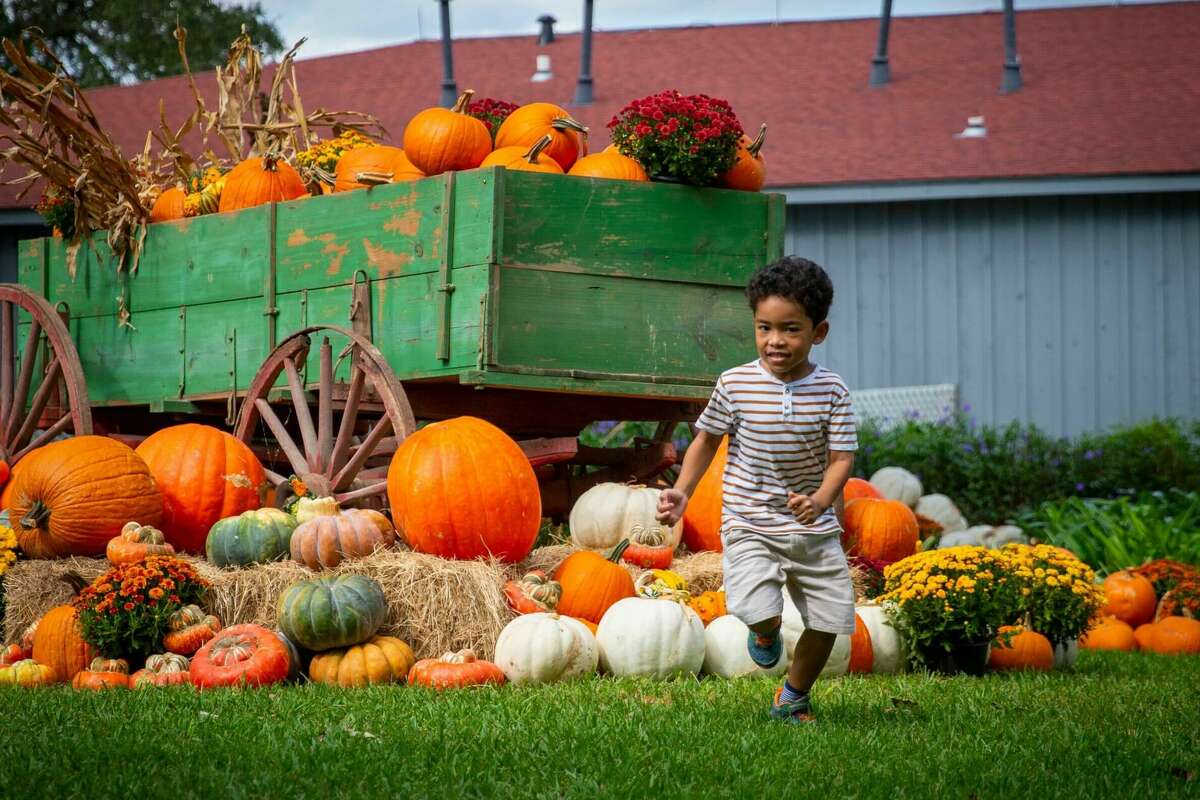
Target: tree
[(104, 42)]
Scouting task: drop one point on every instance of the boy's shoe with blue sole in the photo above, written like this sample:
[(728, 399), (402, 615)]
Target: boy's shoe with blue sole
[(797, 712), (765, 650)]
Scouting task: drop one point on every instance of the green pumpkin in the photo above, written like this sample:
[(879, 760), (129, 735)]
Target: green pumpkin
[(252, 537), (324, 613)]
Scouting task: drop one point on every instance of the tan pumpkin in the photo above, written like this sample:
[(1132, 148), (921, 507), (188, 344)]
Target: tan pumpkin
[(372, 166), (79, 493), (379, 660), (58, 643), (135, 543), (324, 541), (256, 181), (437, 140)]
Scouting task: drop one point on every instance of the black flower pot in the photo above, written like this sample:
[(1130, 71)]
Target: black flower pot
[(962, 658)]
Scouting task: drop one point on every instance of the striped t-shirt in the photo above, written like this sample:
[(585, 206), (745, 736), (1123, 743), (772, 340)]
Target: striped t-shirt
[(779, 435)]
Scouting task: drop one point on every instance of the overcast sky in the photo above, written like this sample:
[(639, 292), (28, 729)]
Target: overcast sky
[(348, 25)]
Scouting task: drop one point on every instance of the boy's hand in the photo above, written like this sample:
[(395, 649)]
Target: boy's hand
[(671, 505), (805, 508)]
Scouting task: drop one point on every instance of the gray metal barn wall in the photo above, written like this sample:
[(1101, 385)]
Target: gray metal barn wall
[(1074, 313)]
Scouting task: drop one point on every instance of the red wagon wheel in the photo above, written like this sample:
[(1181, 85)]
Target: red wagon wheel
[(331, 461), (47, 339)]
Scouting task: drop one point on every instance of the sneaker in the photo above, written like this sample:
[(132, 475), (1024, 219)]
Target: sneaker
[(798, 712), (765, 655)]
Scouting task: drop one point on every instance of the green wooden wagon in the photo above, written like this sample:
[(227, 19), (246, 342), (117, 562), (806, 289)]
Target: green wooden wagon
[(541, 303)]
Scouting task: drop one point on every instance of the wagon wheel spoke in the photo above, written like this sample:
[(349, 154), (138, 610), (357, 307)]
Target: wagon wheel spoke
[(370, 490), (37, 375), (361, 453)]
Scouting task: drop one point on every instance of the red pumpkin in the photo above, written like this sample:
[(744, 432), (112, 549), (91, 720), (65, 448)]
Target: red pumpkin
[(168, 205), (1025, 649), (748, 172), (256, 181), (242, 655), (884, 530), (190, 628), (533, 593), (463, 489), (857, 488), (862, 653), (1130, 597), (454, 671), (531, 122), (204, 475), (437, 140), (591, 583), (702, 517)]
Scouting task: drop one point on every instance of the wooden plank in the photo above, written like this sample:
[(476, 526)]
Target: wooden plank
[(95, 285), (624, 228), (127, 365), (586, 386), (212, 356)]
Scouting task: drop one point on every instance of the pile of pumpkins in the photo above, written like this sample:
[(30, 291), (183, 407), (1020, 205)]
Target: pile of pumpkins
[(1129, 620), (537, 137)]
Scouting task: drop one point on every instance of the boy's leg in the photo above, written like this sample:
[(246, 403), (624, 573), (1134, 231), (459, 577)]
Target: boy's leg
[(812, 651), (753, 584)]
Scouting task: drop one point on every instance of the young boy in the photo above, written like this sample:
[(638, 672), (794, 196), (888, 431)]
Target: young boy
[(791, 448)]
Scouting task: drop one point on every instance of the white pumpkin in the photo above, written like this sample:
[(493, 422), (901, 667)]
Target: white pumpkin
[(1005, 534), (545, 647), (725, 653), (608, 512), (793, 626), (941, 509), (651, 638), (311, 507), (897, 483), (972, 537), (887, 647), (984, 536)]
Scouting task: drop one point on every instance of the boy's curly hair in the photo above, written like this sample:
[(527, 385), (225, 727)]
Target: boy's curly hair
[(797, 279)]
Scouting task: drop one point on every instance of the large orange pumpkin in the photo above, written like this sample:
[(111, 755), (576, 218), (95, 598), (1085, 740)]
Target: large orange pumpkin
[(367, 166), (862, 653), (885, 530), (1130, 597), (168, 205), (7, 495), (609, 163), (58, 643), (204, 475), (591, 583), (529, 123), (437, 140), (1026, 649), (748, 172), (1175, 636), (78, 493), (702, 517), (256, 181), (524, 159), (1109, 634), (857, 488), (462, 489)]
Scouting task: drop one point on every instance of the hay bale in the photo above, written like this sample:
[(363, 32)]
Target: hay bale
[(702, 571), (31, 588)]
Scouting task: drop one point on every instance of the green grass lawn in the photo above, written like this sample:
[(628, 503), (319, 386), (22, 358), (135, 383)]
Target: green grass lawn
[(1117, 726)]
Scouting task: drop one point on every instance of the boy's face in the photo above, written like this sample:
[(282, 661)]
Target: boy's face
[(784, 335)]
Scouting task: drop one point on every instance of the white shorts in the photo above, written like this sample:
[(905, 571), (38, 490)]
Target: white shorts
[(812, 566)]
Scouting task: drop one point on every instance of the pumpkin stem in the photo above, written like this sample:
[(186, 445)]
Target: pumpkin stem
[(565, 123), (615, 555), (757, 144), (464, 99), (37, 516), (535, 152), (374, 178)]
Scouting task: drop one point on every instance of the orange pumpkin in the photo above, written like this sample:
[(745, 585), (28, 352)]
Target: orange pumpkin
[(591, 583), (190, 629), (1175, 636), (369, 166), (256, 181), (1130, 597), (862, 653), (609, 163), (649, 548), (13, 653), (533, 593), (437, 140), (168, 205), (1142, 634), (748, 172), (78, 493), (529, 123), (702, 517), (103, 673), (708, 606), (884, 530), (162, 669), (1110, 634), (1026, 649), (524, 159), (58, 643), (857, 488), (463, 489), (135, 542), (455, 671), (6, 496), (4, 472), (204, 475)]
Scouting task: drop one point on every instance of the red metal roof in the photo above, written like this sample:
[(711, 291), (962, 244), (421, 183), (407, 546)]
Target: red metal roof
[(1108, 91)]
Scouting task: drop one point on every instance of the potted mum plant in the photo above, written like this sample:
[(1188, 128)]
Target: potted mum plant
[(685, 138), (1056, 592), (949, 605)]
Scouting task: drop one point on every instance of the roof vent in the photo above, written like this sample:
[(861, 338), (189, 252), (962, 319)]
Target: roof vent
[(546, 35), (543, 70), (975, 129)]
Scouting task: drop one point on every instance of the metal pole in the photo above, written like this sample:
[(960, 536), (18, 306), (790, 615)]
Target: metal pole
[(583, 88), (449, 87), (1012, 63), (880, 74)]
